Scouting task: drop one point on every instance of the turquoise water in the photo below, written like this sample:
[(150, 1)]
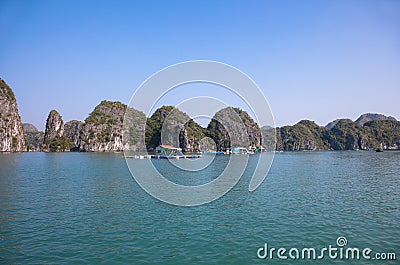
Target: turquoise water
[(85, 208)]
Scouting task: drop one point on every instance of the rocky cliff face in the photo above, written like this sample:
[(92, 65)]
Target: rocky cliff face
[(102, 132), (54, 126), (348, 135), (54, 139), (344, 135), (102, 129), (304, 135), (169, 125), (307, 135), (252, 128), (34, 138), (155, 123), (12, 137), (384, 134), (134, 127), (191, 136), (233, 127), (72, 130)]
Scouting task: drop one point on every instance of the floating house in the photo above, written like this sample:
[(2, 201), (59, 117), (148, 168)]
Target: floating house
[(240, 151), (168, 151)]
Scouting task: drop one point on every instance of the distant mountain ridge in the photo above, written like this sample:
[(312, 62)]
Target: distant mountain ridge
[(373, 117)]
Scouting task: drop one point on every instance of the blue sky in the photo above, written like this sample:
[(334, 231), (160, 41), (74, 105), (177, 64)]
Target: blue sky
[(317, 60)]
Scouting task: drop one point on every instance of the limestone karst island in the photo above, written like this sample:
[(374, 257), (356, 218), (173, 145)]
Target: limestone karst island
[(101, 131)]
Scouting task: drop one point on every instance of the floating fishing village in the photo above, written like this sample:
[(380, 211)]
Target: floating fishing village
[(171, 152)]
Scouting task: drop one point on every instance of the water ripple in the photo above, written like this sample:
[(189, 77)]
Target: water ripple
[(85, 208)]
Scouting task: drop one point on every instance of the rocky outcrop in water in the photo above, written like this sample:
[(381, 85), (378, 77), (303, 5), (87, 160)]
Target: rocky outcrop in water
[(233, 127), (54, 139), (34, 137), (348, 135), (102, 129), (385, 134), (54, 126), (170, 126), (344, 135), (379, 133), (72, 130), (304, 135), (12, 137)]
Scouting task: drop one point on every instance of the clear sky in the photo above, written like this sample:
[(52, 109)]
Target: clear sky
[(317, 60)]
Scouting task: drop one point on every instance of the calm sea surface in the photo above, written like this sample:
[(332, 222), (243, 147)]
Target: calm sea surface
[(85, 208)]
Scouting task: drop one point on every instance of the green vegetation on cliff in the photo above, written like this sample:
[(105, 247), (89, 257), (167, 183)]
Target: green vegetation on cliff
[(233, 126), (385, 133), (6, 91), (304, 135), (190, 137), (102, 129), (169, 125), (343, 135), (33, 137), (348, 135), (60, 144), (154, 126), (104, 113)]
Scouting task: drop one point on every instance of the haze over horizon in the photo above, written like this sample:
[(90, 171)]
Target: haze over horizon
[(313, 60)]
